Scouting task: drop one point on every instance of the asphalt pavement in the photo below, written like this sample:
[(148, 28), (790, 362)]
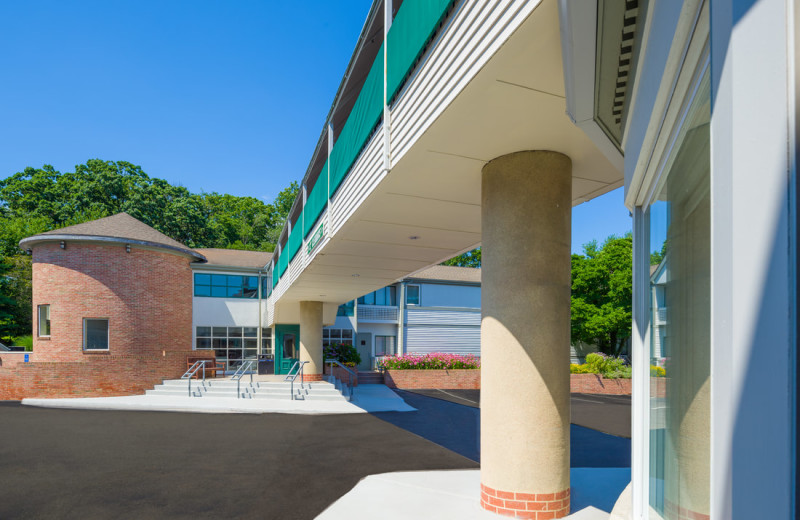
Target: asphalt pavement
[(112, 464)]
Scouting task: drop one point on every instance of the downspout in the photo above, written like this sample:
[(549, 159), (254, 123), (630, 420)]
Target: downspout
[(401, 319)]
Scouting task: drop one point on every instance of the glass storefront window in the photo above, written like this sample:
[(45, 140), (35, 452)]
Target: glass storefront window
[(231, 345), (680, 267)]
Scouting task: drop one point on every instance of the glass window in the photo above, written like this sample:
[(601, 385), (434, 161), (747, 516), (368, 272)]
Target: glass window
[(289, 349), (412, 295), (385, 345), (391, 298), (335, 336), (225, 286), (230, 344), (679, 295), (95, 334), (347, 309), (44, 320)]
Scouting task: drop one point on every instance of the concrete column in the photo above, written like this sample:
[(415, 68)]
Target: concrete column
[(311, 339), (525, 333)]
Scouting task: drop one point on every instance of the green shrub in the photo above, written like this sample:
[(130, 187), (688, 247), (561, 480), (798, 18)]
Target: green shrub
[(23, 341), (343, 353), (657, 371), (608, 367)]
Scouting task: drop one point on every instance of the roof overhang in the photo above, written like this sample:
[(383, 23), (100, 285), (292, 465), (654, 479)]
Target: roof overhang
[(30, 242)]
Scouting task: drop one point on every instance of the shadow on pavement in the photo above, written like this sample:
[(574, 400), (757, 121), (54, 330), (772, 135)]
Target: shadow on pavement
[(457, 428)]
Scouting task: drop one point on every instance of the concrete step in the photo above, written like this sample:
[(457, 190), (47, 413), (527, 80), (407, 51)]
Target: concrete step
[(318, 390), (370, 378)]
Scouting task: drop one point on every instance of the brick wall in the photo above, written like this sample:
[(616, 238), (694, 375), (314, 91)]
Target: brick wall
[(445, 379), (146, 295), (103, 376), (10, 359), (596, 384), (342, 374)]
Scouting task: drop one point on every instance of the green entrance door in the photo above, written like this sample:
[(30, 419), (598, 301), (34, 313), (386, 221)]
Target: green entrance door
[(287, 347)]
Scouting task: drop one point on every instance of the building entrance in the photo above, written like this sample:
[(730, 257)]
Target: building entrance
[(287, 347)]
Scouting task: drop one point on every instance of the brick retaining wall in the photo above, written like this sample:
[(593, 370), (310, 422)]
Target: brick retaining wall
[(462, 379), (98, 377), (10, 359), (342, 374)]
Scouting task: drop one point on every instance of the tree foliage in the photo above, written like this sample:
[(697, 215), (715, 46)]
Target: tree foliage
[(468, 259), (40, 199), (602, 292)]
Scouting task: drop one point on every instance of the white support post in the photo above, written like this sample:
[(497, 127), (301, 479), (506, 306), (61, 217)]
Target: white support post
[(640, 359), (387, 113)]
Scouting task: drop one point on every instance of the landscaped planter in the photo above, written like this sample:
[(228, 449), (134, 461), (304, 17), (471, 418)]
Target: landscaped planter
[(597, 384), (454, 379)]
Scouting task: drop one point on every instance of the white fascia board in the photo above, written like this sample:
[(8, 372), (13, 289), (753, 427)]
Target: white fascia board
[(578, 24)]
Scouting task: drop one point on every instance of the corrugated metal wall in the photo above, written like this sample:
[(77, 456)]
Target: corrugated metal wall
[(436, 330)]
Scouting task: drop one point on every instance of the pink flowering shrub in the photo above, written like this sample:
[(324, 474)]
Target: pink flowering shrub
[(434, 361)]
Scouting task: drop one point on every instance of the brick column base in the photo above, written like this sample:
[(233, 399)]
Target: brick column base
[(673, 511), (539, 506), (311, 378)]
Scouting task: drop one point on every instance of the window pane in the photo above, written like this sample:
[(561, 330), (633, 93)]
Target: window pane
[(234, 343), (266, 346), (347, 333), (203, 342), (252, 281), (251, 332), (412, 295), (202, 290), (44, 320), (234, 292), (392, 296), (680, 295), (266, 333), (95, 334), (369, 299), (362, 301), (235, 281), (380, 297), (250, 354), (204, 331), (219, 343), (219, 292), (202, 279), (220, 332), (219, 280), (251, 343), (234, 332)]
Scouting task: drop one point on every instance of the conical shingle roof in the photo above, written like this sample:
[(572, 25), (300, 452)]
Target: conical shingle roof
[(120, 228)]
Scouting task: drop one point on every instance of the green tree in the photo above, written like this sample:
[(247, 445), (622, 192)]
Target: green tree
[(468, 259), (602, 294), (9, 308), (41, 199)]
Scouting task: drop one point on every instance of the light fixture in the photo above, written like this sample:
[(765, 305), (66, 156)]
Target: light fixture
[(63, 245), (127, 248), (413, 237), (356, 275)]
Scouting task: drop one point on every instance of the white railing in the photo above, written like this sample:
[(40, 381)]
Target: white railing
[(377, 313)]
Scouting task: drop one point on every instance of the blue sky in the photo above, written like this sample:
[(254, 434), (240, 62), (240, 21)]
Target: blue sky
[(214, 96)]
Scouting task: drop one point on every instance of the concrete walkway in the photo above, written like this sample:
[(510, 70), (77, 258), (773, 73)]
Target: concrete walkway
[(366, 399), (455, 495)]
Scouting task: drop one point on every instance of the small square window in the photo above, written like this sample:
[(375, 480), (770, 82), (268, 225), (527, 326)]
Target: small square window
[(44, 320), (95, 334)]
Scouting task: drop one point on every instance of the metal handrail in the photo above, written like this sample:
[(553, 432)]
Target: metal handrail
[(291, 377), (193, 370), (350, 375), (244, 368)]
